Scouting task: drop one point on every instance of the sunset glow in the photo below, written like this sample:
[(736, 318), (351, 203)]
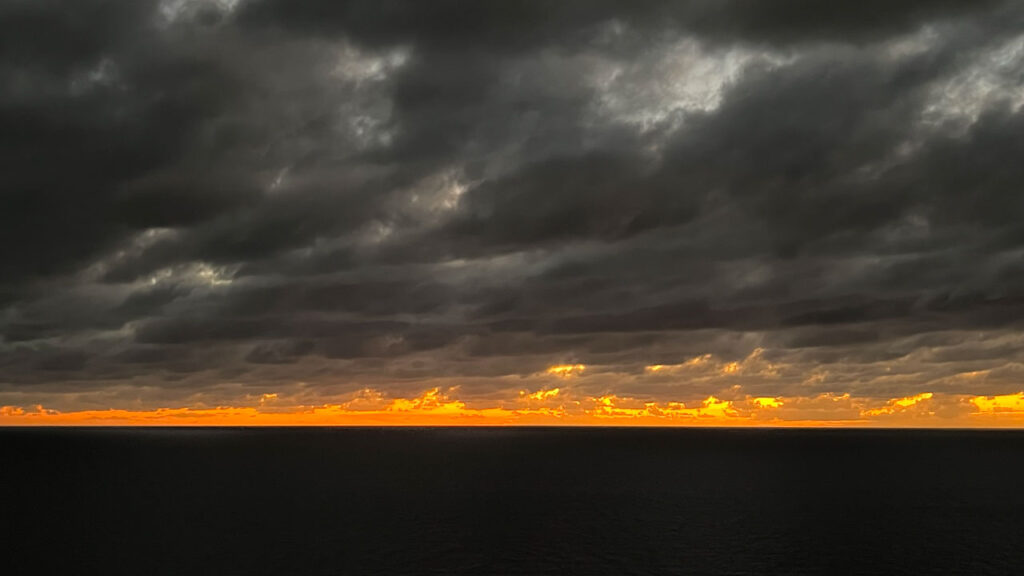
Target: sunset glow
[(697, 213), (435, 407), (566, 370)]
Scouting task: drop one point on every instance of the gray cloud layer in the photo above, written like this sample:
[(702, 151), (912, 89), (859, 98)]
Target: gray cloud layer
[(381, 193)]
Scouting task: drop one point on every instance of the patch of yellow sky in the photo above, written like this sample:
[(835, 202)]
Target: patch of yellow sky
[(563, 406)]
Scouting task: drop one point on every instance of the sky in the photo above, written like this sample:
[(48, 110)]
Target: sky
[(715, 212)]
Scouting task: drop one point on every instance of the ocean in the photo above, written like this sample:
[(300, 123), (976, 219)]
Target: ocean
[(504, 501)]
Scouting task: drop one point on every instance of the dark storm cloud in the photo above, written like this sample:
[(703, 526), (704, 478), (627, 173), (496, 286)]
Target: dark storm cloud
[(525, 24), (206, 191)]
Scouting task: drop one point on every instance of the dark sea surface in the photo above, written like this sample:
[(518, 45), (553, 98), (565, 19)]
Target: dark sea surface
[(510, 501)]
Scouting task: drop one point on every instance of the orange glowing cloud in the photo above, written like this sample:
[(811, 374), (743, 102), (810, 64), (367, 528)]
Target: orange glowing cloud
[(540, 395), (766, 402), (900, 405), (566, 370), (1006, 404), (708, 364), (670, 368), (731, 368), (557, 406)]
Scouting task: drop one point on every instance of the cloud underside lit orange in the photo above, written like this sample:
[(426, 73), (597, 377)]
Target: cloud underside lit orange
[(549, 407)]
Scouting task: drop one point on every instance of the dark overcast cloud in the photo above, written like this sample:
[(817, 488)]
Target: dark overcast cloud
[(351, 194)]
